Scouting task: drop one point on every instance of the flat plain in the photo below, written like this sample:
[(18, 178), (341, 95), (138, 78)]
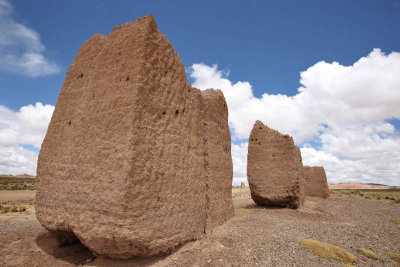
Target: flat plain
[(255, 236)]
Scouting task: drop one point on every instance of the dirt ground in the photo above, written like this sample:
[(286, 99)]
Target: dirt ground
[(255, 236), (17, 196)]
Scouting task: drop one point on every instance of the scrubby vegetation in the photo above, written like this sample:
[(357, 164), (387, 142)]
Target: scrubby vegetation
[(328, 251), (394, 256), (392, 195), (17, 183), (12, 208), (361, 234), (242, 210), (369, 253)]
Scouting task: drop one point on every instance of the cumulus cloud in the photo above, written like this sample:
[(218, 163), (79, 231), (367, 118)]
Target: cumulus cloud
[(21, 50), (338, 115), (239, 159), (27, 126)]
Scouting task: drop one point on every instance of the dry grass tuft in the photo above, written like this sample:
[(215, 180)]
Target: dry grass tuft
[(328, 251), (394, 256), (21, 208), (348, 265), (5, 209), (380, 214), (242, 210), (395, 221), (350, 205), (369, 253), (361, 234)]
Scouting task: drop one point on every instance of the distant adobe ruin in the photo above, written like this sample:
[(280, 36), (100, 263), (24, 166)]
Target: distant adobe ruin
[(315, 182), (135, 161), (274, 168)]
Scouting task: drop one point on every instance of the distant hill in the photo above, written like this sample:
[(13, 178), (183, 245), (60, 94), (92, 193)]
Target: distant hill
[(361, 186), (18, 176)]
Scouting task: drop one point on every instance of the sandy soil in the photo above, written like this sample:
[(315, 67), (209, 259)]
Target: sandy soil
[(14, 195), (255, 236)]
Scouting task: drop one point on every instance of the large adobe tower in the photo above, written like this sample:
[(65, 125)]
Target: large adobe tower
[(129, 162)]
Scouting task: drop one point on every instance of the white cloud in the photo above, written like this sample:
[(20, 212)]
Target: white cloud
[(27, 126), (17, 160), (342, 108), (21, 50), (239, 159)]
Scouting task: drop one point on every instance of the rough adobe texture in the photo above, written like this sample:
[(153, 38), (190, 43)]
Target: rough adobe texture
[(274, 168), (219, 168), (316, 184), (128, 161)]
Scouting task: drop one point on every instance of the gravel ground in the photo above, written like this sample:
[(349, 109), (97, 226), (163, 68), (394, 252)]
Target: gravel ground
[(255, 236)]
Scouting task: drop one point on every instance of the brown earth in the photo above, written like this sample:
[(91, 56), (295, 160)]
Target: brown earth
[(17, 195), (255, 236)]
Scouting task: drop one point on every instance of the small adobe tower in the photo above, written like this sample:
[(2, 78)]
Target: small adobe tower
[(315, 182), (274, 168)]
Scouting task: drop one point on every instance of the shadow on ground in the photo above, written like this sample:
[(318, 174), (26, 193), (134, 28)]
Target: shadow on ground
[(66, 247)]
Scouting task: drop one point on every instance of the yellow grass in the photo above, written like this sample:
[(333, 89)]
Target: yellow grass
[(360, 234), (385, 195), (395, 221), (13, 208), (369, 253), (394, 256), (380, 214), (348, 265), (242, 210), (328, 251)]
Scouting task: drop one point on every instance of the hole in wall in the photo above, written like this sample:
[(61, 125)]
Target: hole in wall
[(176, 112), (164, 113), (69, 123), (127, 78), (80, 76)]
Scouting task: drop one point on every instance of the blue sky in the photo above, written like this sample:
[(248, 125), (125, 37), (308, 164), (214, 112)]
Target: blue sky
[(265, 43)]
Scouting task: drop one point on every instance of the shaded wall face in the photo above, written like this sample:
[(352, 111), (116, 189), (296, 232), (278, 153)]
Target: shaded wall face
[(219, 169), (315, 182), (122, 165), (274, 168)]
